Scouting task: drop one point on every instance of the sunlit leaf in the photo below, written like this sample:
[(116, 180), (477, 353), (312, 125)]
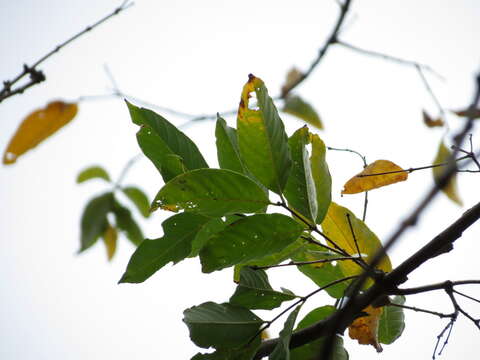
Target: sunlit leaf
[(336, 227), (38, 126), (255, 292), (211, 192), (313, 349), (468, 113), (171, 151), (221, 325), (175, 245), (249, 238), (300, 190), (292, 77), (110, 241), (282, 350), (94, 219), (321, 176), (430, 122), (139, 199), (392, 321), (451, 189), (388, 173), (93, 172), (262, 139), (365, 328), (296, 106), (126, 223)]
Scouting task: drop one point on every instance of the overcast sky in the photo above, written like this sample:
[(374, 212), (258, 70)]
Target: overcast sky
[(194, 56)]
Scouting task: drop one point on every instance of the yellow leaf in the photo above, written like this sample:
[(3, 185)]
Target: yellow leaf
[(430, 122), (292, 77), (365, 329), (336, 226), (468, 113), (110, 240), (38, 126), (389, 173), (451, 189)]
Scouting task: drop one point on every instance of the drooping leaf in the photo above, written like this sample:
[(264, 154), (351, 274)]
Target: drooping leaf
[(282, 350), (296, 106), (167, 147), (321, 176), (175, 245), (292, 77), (300, 189), (94, 219), (93, 172), (249, 238), (365, 328), (126, 223), (110, 241), (430, 122), (221, 326), (262, 139), (389, 173), (228, 152), (245, 352), (211, 192), (313, 349), (321, 273), (468, 113), (139, 199), (392, 321), (451, 189), (336, 226), (38, 126), (255, 292)]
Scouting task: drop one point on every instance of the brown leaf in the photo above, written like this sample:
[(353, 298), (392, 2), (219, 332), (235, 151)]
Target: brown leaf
[(292, 77), (38, 126), (430, 122), (365, 329), (367, 180), (468, 113)]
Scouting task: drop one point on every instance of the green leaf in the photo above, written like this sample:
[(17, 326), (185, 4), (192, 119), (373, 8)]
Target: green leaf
[(392, 321), (313, 349), (262, 139), (337, 227), (245, 352), (300, 189), (139, 199), (255, 292), (221, 325), (282, 350), (321, 177), (296, 106), (206, 232), (166, 146), (228, 152), (249, 238), (94, 219), (451, 189), (93, 172), (211, 192), (322, 273), (175, 245), (126, 223)]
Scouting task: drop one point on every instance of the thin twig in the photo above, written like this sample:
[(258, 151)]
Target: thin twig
[(465, 295), (353, 235), (126, 168), (37, 76), (302, 263), (416, 309), (430, 91)]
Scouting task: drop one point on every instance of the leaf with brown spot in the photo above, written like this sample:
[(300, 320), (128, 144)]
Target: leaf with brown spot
[(110, 240), (468, 113), (451, 189), (38, 126), (430, 122), (365, 329), (388, 173)]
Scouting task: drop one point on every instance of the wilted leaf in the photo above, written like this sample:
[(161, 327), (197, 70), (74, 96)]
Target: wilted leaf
[(94, 219), (38, 126), (451, 189), (321, 176), (468, 113), (110, 241), (427, 120), (262, 139), (221, 326), (139, 198), (93, 172), (296, 106), (293, 76), (365, 329), (336, 226), (392, 321), (388, 173)]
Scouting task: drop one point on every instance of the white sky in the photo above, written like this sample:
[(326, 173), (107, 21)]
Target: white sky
[(194, 56)]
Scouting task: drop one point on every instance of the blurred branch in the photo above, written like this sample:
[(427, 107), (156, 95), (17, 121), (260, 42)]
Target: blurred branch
[(37, 76)]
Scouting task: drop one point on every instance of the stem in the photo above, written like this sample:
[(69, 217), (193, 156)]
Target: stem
[(301, 263)]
